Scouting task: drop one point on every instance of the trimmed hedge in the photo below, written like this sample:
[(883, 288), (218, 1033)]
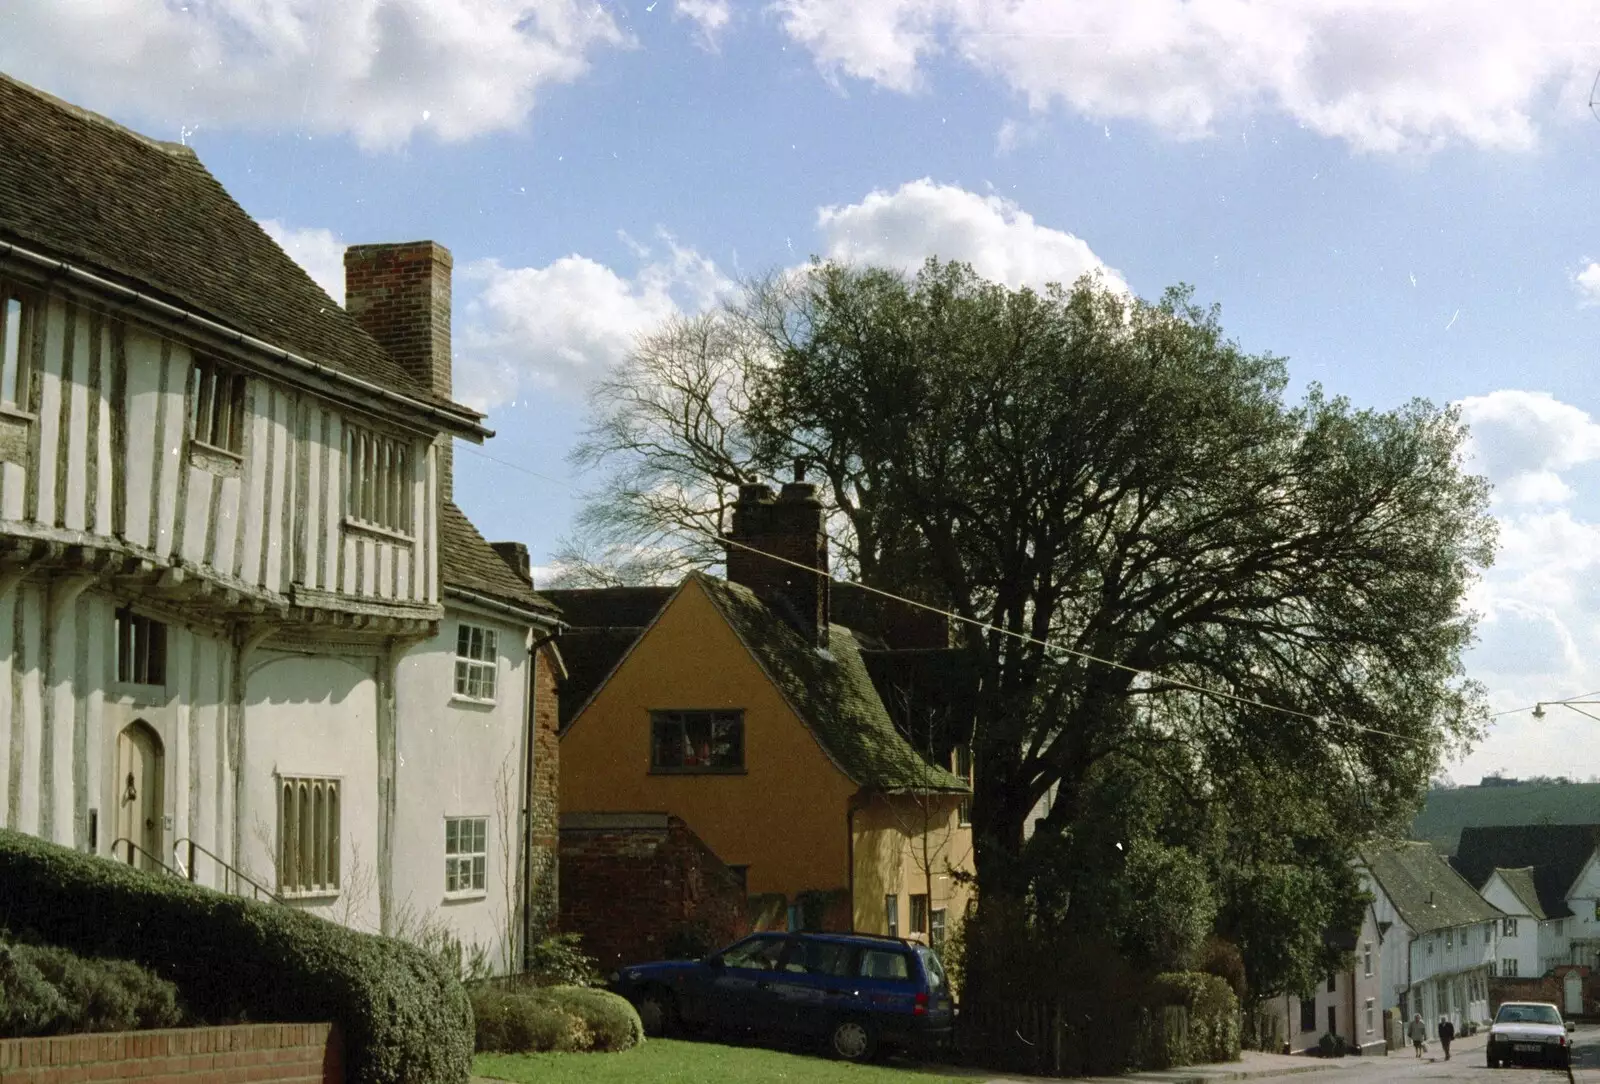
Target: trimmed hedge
[(402, 1017), (562, 1019), (49, 991), (1213, 1031)]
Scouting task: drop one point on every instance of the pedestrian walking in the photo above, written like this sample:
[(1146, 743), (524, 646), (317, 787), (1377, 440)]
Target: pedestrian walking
[(1418, 1032), (1447, 1031)]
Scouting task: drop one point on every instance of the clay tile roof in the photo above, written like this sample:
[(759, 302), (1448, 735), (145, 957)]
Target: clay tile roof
[(832, 692), (1520, 881), (78, 187), (1423, 887), (1556, 852), (610, 607), (467, 561)]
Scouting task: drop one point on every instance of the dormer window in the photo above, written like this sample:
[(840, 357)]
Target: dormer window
[(18, 320), (216, 406), (377, 480)]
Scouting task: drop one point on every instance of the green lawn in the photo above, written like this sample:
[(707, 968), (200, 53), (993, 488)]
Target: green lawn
[(669, 1061)]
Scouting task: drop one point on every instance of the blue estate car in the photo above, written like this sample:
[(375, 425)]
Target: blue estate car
[(853, 991)]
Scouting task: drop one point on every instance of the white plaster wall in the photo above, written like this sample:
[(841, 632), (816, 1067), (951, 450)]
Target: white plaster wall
[(1523, 947), (314, 715), (453, 757)]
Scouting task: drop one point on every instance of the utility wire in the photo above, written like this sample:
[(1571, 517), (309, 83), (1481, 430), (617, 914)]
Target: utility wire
[(987, 627), (164, 336)]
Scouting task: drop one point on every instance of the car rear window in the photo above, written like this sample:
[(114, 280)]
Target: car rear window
[(885, 964), (1527, 1014), (933, 968)]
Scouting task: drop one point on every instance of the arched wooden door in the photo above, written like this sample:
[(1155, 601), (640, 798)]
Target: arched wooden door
[(140, 802)]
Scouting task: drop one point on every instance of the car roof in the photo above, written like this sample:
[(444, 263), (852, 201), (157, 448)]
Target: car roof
[(880, 940), (1526, 1004)]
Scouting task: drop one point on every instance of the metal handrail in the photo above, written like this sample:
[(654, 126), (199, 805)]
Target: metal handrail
[(257, 889), (134, 848)]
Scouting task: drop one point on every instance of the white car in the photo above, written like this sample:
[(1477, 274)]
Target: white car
[(1529, 1031)]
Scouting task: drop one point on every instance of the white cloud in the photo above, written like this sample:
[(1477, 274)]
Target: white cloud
[(561, 324), (921, 219), (710, 16), (379, 70), (315, 249), (1540, 634), (1523, 440), (1588, 283), (1382, 75)]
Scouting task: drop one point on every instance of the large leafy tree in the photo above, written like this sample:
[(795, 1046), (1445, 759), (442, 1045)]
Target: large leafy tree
[(1157, 557)]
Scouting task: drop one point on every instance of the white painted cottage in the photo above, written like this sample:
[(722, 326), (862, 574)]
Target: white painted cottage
[(1543, 877), (1439, 939), (245, 634)]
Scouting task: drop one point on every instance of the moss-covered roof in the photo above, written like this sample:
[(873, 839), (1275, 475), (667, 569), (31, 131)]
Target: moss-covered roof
[(1423, 887), (470, 563), (79, 187), (832, 692), (1520, 881)]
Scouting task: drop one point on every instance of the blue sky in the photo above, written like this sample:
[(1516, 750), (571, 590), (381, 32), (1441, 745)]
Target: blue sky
[(1399, 198)]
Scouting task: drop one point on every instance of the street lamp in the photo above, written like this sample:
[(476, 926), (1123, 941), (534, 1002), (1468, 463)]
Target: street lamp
[(1539, 712)]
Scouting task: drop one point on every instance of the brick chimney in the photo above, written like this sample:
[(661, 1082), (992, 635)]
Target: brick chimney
[(400, 293), (515, 554), (789, 525)]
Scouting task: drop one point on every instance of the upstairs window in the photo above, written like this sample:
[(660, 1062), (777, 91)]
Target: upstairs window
[(18, 318), (1366, 959), (377, 480), (1508, 928), (216, 406), (891, 914), (697, 741), (308, 836), (963, 770), (936, 927), (141, 649), (477, 662)]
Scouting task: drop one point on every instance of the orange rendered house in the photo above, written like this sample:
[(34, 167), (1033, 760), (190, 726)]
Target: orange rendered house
[(743, 709)]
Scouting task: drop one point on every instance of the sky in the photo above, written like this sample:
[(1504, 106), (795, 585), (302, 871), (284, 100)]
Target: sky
[(1397, 196)]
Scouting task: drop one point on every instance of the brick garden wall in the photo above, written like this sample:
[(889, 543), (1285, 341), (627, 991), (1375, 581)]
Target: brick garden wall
[(255, 1053), (632, 882), (544, 802), (1551, 988)]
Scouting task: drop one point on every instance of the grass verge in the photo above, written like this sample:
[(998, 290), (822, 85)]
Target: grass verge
[(669, 1061)]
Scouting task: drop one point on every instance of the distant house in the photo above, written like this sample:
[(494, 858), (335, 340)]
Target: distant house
[(1348, 1005), (1539, 875), (1441, 935), (748, 711), (245, 634)]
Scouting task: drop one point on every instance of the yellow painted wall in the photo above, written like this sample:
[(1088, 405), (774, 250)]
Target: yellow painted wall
[(784, 818), (890, 859)]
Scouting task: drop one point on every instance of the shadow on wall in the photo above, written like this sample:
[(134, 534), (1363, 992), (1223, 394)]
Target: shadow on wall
[(307, 679)]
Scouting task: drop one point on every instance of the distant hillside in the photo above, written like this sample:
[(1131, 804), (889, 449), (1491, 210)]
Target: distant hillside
[(1446, 812)]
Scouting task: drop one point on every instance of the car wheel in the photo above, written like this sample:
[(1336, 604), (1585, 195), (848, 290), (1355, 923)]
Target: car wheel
[(657, 1012), (853, 1040)]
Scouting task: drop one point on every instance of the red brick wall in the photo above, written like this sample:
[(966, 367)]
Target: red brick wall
[(630, 889), (255, 1053), (1551, 988), (544, 801), (400, 293)]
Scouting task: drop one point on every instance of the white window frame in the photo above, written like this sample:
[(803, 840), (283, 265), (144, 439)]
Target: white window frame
[(141, 650), (477, 676), (1366, 960), (1508, 927), (378, 482), (473, 858), (1510, 969), (320, 797), (919, 900), (937, 929), (19, 327), (217, 406), (891, 913), (1371, 1012)]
